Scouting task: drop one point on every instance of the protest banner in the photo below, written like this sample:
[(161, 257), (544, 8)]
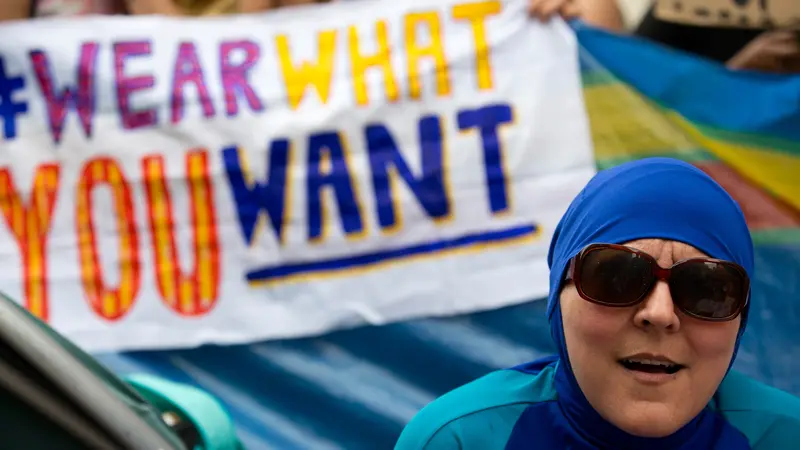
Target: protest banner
[(170, 182)]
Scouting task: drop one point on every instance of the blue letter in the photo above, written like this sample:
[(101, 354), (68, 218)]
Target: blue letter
[(387, 162), (327, 166), (487, 120), (253, 198)]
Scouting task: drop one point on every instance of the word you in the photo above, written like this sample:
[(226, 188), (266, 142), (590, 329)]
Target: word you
[(261, 203)]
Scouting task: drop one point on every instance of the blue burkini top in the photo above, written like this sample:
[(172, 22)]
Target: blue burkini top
[(539, 405)]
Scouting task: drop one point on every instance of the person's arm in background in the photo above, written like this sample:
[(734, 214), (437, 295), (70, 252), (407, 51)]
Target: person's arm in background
[(775, 51), (249, 6), (151, 7), (15, 9), (602, 14), (598, 13)]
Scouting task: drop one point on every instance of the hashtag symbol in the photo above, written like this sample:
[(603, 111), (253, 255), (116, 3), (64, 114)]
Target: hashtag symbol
[(9, 108)]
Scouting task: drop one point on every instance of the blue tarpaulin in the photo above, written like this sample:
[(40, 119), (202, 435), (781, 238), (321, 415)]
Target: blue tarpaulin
[(356, 389)]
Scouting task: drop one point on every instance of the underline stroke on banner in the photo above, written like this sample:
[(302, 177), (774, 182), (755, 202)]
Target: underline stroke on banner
[(354, 265)]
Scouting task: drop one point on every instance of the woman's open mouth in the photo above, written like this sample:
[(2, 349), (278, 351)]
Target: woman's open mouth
[(651, 366)]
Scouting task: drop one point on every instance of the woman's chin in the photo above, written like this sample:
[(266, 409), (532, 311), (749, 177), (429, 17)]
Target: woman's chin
[(655, 423), (650, 430)]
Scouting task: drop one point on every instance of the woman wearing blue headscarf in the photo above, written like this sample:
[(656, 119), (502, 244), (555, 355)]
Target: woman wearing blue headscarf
[(649, 291)]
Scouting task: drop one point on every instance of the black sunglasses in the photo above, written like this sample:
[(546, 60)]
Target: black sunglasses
[(617, 276)]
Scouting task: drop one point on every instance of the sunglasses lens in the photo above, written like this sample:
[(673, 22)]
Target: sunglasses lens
[(708, 289), (614, 276)]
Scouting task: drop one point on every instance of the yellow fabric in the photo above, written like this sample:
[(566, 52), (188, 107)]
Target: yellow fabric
[(775, 171), (627, 125)]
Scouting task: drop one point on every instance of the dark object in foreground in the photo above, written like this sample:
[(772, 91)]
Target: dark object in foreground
[(53, 395)]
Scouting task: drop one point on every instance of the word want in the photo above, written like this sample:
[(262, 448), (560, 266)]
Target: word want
[(327, 176), (238, 63)]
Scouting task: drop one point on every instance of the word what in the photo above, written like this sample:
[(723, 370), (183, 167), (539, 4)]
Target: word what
[(237, 64)]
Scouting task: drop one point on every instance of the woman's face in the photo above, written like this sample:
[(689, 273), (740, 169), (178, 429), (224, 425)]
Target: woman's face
[(598, 337)]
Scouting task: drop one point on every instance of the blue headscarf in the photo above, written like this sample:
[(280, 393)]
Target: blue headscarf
[(649, 198)]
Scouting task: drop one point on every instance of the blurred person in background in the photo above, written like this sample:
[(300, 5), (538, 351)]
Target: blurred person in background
[(760, 49), (24, 9), (738, 48), (649, 299), (601, 13), (765, 50)]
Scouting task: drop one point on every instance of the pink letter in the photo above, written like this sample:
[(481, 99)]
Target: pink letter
[(126, 86), (58, 103), (234, 76), (188, 70)]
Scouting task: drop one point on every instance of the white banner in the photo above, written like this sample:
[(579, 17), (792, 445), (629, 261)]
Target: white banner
[(169, 182)]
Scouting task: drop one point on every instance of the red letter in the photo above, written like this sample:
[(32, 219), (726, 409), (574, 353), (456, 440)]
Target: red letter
[(194, 293), (83, 100), (30, 225), (109, 303)]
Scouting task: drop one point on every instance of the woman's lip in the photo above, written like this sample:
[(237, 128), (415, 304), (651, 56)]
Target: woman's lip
[(651, 357), (654, 378), (623, 360)]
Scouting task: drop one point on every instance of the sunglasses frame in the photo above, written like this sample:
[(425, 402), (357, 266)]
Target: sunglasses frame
[(659, 273)]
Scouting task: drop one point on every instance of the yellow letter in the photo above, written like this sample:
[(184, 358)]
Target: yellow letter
[(476, 14), (382, 58), (318, 73), (434, 49)]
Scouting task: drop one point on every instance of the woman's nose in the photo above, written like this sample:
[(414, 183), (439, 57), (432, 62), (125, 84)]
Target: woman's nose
[(658, 310)]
